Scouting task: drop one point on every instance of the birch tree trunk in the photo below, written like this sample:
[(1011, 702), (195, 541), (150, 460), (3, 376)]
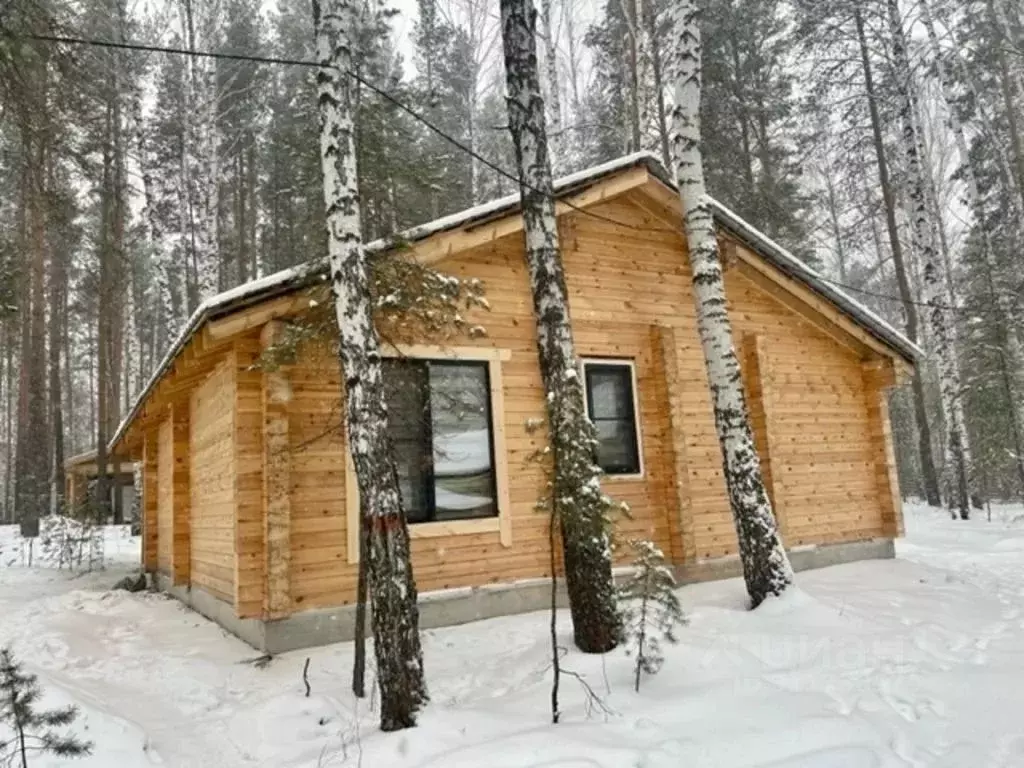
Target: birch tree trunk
[(554, 104), (924, 433), (1000, 298), (201, 23), (650, 19), (395, 615), (957, 472), (581, 507), (766, 567), (632, 67)]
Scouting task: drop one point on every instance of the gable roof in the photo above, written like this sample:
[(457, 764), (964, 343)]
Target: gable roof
[(313, 272)]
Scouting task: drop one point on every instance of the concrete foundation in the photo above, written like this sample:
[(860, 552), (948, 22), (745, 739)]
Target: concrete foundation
[(460, 606), (802, 559)]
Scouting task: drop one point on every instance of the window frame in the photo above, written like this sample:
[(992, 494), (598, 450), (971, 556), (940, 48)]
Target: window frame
[(428, 445), (500, 523), (623, 362)]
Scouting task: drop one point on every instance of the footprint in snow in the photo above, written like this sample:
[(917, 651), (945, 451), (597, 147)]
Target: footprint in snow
[(902, 706)]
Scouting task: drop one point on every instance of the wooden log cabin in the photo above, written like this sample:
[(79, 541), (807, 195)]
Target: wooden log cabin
[(250, 504)]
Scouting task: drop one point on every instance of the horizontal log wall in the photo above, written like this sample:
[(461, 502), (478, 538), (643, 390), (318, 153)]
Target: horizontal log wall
[(250, 575), (165, 496), (820, 429), (213, 484), (150, 502)]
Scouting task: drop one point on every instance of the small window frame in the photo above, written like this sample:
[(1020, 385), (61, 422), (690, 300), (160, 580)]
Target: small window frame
[(637, 427)]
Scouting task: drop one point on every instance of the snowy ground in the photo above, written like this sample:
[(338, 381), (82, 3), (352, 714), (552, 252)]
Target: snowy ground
[(917, 661)]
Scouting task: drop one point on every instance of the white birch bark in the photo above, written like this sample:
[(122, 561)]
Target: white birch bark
[(392, 587), (1000, 297), (957, 471), (766, 567), (573, 44), (553, 93), (579, 504), (206, 177), (160, 248), (201, 25)]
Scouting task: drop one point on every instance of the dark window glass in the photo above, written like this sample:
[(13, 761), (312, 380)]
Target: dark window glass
[(610, 406), (440, 424)]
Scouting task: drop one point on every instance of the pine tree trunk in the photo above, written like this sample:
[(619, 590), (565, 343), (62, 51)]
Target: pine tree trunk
[(766, 567), (395, 614), (9, 389), (928, 474), (958, 464), (58, 288), (32, 461), (103, 330), (579, 503)]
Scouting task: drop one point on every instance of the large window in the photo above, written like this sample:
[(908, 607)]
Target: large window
[(440, 422), (611, 405)]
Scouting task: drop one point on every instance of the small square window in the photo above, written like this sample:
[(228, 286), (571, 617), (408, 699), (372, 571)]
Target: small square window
[(611, 406)]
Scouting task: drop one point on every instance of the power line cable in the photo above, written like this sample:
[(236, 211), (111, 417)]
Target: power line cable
[(362, 81), (139, 47)]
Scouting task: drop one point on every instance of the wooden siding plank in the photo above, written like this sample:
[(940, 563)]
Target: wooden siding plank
[(277, 462), (760, 391), (250, 509), (150, 502), (179, 491), (212, 475)]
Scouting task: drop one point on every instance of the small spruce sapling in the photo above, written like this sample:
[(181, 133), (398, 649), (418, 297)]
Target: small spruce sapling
[(26, 730), (649, 608)]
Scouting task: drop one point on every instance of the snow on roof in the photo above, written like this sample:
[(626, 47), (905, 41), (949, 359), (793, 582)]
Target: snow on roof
[(791, 265), (304, 274), (313, 271)]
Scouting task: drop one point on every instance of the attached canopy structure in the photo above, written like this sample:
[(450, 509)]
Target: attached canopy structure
[(81, 470)]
